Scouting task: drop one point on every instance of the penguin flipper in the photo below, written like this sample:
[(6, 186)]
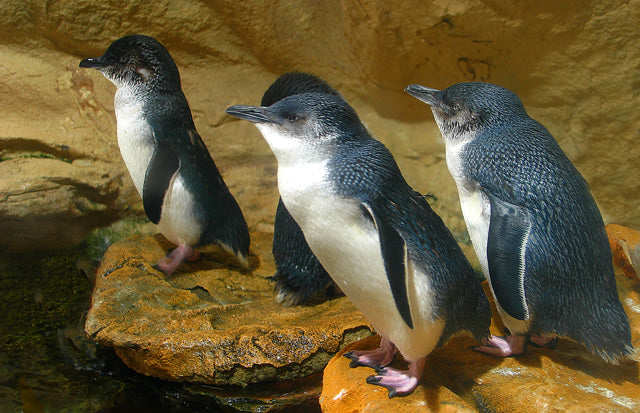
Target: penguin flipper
[(508, 232), (394, 255), (163, 165)]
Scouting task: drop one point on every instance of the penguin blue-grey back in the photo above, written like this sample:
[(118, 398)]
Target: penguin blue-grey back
[(181, 188), (299, 275), (533, 222), (378, 239)]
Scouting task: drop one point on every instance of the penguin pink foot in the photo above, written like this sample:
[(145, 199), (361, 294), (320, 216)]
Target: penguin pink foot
[(508, 346), (172, 261), (375, 359), (399, 382)]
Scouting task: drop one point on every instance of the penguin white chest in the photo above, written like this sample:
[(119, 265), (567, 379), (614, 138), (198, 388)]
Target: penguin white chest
[(135, 136), (347, 244), (475, 205)]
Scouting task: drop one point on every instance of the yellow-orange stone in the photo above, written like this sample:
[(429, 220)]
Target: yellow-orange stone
[(457, 379), (624, 244), (211, 322)]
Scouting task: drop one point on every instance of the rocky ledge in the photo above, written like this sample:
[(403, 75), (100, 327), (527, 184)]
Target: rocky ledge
[(457, 379), (211, 322)]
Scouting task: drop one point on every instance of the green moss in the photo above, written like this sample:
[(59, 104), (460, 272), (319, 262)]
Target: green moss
[(100, 239), (42, 155)]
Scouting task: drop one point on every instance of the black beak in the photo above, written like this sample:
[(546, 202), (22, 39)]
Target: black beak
[(431, 97), (255, 114), (93, 63)]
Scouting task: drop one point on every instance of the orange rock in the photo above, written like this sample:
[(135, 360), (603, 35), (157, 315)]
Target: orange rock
[(345, 389), (458, 379), (625, 247), (211, 322)]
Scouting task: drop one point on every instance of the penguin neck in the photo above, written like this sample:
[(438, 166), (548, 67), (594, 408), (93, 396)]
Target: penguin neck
[(129, 95), (293, 151), (457, 130)]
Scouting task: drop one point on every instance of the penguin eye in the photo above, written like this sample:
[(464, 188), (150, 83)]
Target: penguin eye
[(124, 58), (292, 118)]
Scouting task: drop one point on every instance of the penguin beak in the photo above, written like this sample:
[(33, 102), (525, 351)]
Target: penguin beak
[(429, 96), (255, 114), (93, 63)]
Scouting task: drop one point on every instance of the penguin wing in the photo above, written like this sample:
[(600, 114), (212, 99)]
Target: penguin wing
[(509, 228), (394, 256), (162, 166)]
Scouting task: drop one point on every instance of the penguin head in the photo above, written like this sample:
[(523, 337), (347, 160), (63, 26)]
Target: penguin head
[(295, 83), (135, 60), (305, 126), (464, 109)]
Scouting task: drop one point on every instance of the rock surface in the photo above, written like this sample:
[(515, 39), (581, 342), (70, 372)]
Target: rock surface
[(458, 379), (578, 75), (210, 322), (625, 246)]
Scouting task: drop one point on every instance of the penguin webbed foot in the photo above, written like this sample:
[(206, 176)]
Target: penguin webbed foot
[(376, 359), (170, 263), (507, 346), (399, 382)]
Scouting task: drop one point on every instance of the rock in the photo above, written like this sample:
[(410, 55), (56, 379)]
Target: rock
[(577, 76), (211, 323), (565, 379), (345, 389), (625, 246), (51, 203)]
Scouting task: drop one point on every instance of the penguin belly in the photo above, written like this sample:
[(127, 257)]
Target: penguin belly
[(348, 246), (135, 135), (178, 221), (476, 210)]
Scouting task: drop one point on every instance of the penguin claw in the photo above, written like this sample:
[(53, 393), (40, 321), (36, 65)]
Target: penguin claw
[(362, 360), (398, 382), (375, 359)]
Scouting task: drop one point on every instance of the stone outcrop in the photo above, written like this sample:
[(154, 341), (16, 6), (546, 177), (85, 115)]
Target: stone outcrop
[(574, 66), (211, 322), (457, 379), (625, 246)]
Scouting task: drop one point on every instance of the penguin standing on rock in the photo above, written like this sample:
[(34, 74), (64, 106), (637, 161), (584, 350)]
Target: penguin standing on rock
[(378, 239), (299, 275), (533, 223), (182, 190)]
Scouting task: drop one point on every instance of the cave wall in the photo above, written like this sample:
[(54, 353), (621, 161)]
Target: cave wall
[(575, 66)]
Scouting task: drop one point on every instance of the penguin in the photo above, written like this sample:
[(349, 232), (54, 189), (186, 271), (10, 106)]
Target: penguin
[(181, 188), (378, 238), (299, 275), (533, 222)]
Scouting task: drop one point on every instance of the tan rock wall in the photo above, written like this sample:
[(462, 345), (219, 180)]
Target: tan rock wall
[(574, 64)]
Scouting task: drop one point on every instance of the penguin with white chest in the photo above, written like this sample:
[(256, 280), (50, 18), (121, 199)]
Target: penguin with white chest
[(181, 188), (378, 239), (299, 275), (533, 222)]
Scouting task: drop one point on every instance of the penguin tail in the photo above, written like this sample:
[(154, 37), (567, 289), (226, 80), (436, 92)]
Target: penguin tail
[(300, 284), (605, 332), (615, 356), (241, 256)]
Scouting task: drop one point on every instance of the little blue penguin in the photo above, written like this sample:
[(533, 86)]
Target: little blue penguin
[(299, 275), (181, 188), (378, 238), (533, 222)]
